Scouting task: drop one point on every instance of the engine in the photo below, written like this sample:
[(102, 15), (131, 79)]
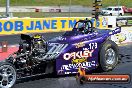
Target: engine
[(30, 49), (32, 44)]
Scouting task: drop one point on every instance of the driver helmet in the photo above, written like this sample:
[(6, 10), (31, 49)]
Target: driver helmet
[(39, 42), (37, 36)]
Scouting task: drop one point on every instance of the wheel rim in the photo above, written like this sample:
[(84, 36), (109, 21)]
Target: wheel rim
[(110, 56), (7, 76)]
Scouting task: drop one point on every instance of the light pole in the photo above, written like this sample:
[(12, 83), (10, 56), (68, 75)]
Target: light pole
[(118, 3), (70, 8), (7, 7)]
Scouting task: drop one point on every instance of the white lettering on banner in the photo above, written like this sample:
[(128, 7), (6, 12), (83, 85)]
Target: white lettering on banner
[(79, 54), (77, 65)]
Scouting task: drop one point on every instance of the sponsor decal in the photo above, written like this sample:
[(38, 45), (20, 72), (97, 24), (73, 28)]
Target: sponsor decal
[(78, 45), (93, 46), (121, 22), (124, 21), (121, 37), (129, 36), (98, 23), (104, 22), (80, 54), (84, 65), (80, 60), (55, 50)]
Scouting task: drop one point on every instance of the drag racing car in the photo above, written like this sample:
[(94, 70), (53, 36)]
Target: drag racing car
[(85, 46)]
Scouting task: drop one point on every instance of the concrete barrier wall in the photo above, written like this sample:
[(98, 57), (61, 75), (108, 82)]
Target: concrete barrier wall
[(47, 9)]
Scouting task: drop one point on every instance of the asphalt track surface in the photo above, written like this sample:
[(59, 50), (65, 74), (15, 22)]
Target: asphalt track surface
[(48, 81)]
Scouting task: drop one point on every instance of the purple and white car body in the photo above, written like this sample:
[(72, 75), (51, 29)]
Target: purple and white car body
[(71, 47)]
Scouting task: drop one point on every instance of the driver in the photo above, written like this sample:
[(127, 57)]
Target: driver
[(39, 43), (84, 27), (81, 26)]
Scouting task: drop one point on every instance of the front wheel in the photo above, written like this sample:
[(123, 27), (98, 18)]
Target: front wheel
[(108, 55), (7, 75)]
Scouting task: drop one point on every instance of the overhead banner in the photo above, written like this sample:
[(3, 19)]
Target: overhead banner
[(42, 25)]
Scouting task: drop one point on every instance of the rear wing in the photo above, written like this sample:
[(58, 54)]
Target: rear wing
[(117, 30)]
